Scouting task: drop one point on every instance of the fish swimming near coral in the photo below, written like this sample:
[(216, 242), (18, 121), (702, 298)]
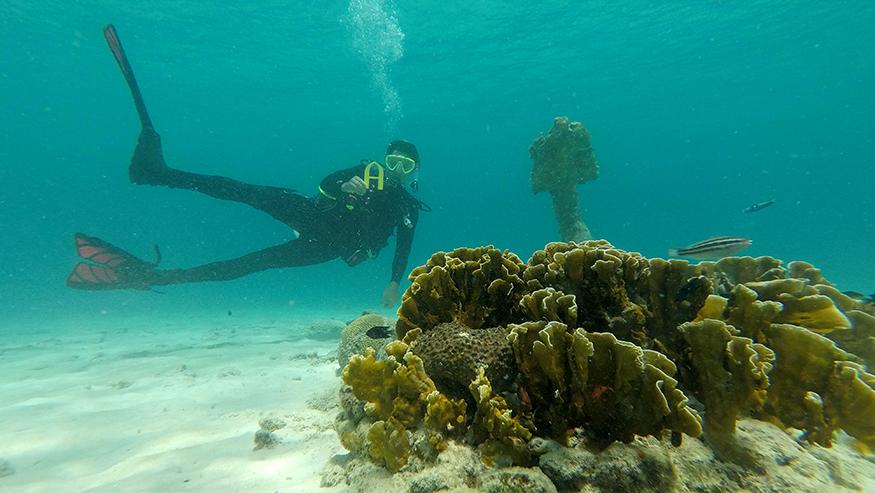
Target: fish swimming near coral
[(759, 206), (378, 332), (712, 248), (870, 299)]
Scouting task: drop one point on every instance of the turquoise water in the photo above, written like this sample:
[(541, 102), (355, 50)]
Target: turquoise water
[(696, 110)]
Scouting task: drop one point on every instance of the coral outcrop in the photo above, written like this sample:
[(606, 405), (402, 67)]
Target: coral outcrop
[(561, 160), (588, 345)]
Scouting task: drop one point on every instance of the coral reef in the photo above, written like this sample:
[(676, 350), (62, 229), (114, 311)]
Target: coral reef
[(389, 444), (588, 346), (598, 276), (731, 378), (861, 339), (560, 161)]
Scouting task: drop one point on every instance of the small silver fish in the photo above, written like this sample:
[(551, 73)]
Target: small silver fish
[(712, 248), (854, 294), (758, 207)]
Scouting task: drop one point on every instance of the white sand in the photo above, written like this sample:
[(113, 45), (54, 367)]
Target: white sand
[(166, 408)]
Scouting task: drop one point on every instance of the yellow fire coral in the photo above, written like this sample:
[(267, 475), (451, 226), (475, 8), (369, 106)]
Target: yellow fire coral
[(395, 390), (502, 438), (730, 375), (478, 287), (444, 416), (748, 314), (550, 305), (601, 278), (612, 388), (731, 271), (801, 304), (812, 374)]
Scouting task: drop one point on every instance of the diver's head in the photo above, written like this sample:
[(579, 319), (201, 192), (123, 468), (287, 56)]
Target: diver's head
[(402, 163)]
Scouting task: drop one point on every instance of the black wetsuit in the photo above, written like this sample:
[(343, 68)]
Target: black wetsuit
[(332, 225)]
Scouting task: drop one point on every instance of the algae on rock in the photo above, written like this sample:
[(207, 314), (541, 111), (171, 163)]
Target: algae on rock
[(561, 160)]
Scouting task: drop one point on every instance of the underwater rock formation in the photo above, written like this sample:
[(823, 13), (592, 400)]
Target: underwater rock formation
[(561, 160), (608, 346)]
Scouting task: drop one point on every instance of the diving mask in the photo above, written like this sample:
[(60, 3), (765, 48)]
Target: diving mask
[(396, 161)]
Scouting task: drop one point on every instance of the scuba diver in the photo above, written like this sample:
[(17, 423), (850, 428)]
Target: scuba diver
[(351, 218)]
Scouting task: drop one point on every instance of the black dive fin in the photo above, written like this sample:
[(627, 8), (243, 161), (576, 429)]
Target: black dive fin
[(118, 52)]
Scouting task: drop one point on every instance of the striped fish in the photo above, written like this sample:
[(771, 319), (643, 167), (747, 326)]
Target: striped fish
[(712, 248)]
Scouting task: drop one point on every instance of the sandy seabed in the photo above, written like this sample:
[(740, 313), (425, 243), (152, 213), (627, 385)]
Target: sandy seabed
[(151, 406), (170, 407)]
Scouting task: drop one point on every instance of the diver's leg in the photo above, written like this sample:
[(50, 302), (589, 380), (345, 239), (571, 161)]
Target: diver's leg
[(147, 164), (294, 253), (149, 168)]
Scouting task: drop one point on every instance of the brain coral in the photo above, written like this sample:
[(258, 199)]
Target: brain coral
[(370, 330), (451, 354)]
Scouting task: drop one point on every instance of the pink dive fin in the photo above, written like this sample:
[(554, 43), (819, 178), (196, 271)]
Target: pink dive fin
[(108, 267)]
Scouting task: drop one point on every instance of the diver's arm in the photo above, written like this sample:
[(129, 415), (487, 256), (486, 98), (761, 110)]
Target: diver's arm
[(403, 243), (329, 187)]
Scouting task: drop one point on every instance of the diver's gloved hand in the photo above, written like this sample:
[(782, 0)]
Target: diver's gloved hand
[(390, 295), (355, 185), (147, 164)]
